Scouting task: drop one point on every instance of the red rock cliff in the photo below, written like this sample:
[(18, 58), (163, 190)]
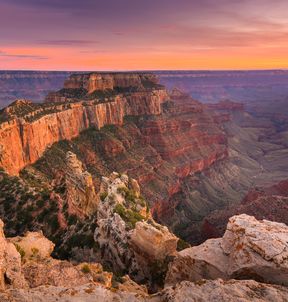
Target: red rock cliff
[(30, 129)]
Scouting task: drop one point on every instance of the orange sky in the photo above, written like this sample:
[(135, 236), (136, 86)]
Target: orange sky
[(69, 35)]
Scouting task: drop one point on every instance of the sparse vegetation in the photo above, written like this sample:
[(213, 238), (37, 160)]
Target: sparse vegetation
[(129, 216), (182, 244), (85, 269), (20, 250), (34, 251), (103, 195)]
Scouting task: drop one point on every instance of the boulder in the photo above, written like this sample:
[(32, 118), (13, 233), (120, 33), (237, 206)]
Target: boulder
[(153, 240), (257, 249), (249, 249), (10, 264), (219, 290), (33, 244), (53, 272)]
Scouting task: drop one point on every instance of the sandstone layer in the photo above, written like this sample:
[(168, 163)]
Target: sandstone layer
[(29, 129)]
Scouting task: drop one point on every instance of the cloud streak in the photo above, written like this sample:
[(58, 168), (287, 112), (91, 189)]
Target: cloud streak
[(22, 56)]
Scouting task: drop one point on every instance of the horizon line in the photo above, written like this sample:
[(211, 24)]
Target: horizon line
[(142, 70)]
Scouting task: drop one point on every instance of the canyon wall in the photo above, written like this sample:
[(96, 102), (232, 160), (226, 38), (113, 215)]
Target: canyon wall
[(101, 81), (24, 138)]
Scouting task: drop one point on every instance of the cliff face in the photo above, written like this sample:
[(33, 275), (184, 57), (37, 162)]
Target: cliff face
[(81, 195), (103, 81), (161, 152), (30, 129)]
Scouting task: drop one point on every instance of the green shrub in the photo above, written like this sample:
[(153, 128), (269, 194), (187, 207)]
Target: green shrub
[(122, 190), (20, 250), (120, 210), (72, 219), (85, 269), (34, 251), (130, 217), (103, 195), (182, 244)]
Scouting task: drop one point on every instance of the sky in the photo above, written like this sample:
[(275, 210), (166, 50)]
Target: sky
[(143, 34)]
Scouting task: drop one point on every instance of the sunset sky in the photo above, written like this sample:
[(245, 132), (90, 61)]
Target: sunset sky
[(143, 34)]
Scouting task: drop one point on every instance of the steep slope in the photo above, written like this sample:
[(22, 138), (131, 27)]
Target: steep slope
[(264, 203)]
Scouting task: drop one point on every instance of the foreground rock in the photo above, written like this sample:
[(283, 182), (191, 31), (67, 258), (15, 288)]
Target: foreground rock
[(219, 290), (216, 290), (33, 244), (10, 264), (250, 249)]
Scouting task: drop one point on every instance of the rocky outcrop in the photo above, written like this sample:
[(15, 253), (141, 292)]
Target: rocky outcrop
[(25, 262), (249, 249), (10, 264), (154, 241), (33, 244), (128, 237), (52, 272), (80, 189), (207, 290), (219, 290)]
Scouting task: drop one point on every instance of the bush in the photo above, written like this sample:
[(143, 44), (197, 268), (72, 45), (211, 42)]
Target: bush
[(120, 210), (72, 219), (85, 269), (20, 250), (129, 195), (182, 244), (34, 251), (103, 195), (130, 217)]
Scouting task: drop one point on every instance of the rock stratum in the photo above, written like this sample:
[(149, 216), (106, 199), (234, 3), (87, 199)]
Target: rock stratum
[(28, 129)]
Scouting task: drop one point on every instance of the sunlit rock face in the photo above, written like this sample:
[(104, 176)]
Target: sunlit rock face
[(129, 239), (27, 129), (102, 81), (249, 249), (80, 188), (10, 264), (33, 243)]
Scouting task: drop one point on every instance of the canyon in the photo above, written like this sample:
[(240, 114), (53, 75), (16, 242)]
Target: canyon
[(122, 176), (17, 84), (190, 158)]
